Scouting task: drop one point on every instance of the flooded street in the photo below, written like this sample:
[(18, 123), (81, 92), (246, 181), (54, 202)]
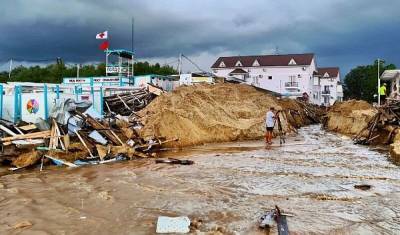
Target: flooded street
[(228, 188)]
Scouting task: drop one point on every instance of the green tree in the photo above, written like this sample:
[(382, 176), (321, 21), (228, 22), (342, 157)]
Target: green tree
[(53, 73), (361, 82)]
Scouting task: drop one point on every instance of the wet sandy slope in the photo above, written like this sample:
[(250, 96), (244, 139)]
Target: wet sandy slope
[(229, 186)]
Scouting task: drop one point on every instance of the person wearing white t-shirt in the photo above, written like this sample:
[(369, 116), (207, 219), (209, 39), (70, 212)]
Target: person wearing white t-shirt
[(269, 124)]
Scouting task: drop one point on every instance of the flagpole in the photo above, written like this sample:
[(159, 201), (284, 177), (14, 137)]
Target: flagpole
[(108, 38), (133, 47), (106, 61)]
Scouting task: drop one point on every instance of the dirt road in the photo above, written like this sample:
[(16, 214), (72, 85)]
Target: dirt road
[(228, 188)]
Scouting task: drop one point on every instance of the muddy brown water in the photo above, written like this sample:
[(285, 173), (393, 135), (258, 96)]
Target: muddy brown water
[(228, 188)]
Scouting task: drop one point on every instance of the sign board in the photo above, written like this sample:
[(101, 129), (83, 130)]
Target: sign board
[(88, 80), (116, 69), (76, 80), (201, 79)]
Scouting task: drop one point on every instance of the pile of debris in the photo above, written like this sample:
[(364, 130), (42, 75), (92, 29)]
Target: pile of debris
[(222, 112), (75, 136), (130, 102), (367, 124)]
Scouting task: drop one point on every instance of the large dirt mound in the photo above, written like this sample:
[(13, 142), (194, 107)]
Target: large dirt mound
[(349, 117), (209, 113)]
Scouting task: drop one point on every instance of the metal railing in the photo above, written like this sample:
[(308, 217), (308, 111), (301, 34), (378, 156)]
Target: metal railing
[(291, 84)]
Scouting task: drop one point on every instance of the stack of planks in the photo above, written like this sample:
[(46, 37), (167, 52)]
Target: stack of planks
[(128, 102)]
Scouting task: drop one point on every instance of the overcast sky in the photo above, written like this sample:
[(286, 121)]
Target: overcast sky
[(342, 33)]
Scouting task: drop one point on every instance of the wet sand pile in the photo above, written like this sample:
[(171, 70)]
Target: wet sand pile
[(349, 117), (213, 113)]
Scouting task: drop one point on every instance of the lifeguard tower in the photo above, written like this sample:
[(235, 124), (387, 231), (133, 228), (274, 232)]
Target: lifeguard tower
[(120, 62)]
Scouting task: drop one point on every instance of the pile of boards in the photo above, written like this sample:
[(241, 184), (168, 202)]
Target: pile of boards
[(131, 101), (92, 141), (382, 125)]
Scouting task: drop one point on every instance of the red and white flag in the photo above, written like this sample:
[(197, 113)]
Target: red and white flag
[(104, 45), (102, 35)]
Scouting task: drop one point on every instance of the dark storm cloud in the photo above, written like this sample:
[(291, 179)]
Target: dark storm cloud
[(343, 33)]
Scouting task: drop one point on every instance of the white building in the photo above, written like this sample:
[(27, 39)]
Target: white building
[(327, 87), (194, 78), (392, 76), (290, 75)]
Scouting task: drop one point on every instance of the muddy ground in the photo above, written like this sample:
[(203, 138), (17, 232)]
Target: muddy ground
[(228, 188)]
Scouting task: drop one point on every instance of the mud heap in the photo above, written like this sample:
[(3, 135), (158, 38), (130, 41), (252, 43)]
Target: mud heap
[(366, 124), (349, 117), (216, 113)]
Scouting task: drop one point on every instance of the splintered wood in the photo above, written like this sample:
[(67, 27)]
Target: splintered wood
[(130, 102)]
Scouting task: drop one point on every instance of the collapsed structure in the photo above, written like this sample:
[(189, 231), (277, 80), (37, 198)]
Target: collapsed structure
[(131, 128)]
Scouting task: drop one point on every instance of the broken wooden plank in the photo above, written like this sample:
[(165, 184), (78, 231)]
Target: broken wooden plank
[(35, 135), (84, 143), (28, 127), (101, 128), (62, 161), (8, 131)]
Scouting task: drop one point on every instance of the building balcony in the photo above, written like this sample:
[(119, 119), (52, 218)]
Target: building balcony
[(291, 85), (326, 92)]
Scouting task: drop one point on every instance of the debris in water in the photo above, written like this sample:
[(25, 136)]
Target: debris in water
[(175, 161), (363, 186), (173, 224), (23, 224)]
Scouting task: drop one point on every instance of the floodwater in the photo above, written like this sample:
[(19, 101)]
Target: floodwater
[(228, 188)]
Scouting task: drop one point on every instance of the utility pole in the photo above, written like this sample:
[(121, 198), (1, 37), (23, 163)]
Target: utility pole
[(9, 72), (379, 85), (180, 64), (133, 49), (77, 70)]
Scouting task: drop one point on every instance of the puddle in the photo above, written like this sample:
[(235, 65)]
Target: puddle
[(230, 185)]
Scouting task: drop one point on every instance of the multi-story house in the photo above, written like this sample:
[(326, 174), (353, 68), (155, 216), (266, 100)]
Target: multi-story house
[(327, 87), (292, 75)]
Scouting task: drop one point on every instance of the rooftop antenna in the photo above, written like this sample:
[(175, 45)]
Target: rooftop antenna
[(277, 50)]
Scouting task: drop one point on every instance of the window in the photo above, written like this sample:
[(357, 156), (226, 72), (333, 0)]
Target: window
[(238, 64), (270, 77), (215, 71), (222, 64), (299, 76)]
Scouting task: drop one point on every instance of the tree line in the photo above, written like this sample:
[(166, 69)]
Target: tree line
[(54, 73), (362, 82)]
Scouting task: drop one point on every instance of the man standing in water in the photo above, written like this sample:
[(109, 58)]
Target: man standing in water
[(269, 123)]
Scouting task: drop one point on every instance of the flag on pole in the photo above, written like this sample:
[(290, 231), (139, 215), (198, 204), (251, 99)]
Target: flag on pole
[(104, 45), (103, 35)]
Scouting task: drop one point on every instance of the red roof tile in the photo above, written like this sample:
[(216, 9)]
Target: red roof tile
[(332, 71), (238, 71), (264, 60)]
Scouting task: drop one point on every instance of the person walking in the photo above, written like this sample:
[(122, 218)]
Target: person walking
[(269, 124), (382, 93)]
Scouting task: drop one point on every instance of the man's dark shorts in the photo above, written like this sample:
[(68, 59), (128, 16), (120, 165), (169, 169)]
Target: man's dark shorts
[(270, 128)]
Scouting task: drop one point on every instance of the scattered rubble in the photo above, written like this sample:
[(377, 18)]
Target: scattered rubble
[(173, 224), (73, 137), (137, 125)]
